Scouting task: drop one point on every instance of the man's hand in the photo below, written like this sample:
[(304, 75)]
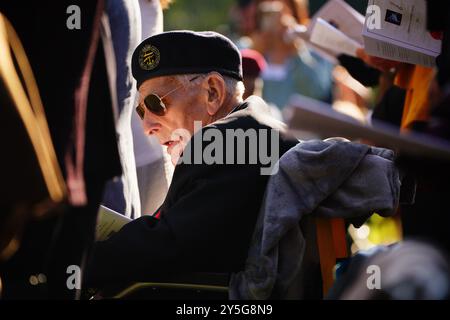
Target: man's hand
[(381, 64)]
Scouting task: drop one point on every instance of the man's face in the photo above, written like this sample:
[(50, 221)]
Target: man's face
[(184, 106)]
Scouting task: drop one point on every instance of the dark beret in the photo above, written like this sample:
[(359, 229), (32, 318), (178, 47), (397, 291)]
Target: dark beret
[(185, 52)]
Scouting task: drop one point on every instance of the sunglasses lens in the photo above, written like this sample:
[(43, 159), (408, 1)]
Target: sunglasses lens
[(155, 105)]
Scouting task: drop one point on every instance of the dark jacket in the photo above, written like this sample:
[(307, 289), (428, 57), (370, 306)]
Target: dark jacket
[(206, 220)]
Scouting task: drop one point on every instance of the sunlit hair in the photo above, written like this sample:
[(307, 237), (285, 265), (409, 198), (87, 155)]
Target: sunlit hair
[(235, 88), (165, 3)]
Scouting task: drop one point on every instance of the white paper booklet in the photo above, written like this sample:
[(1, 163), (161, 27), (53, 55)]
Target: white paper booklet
[(109, 222), (335, 17), (343, 17), (401, 34), (327, 36)]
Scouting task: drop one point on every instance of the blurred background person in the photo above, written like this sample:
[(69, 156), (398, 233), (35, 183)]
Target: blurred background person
[(245, 14), (146, 173), (387, 99), (123, 25), (350, 96), (416, 80), (292, 67), (253, 64), (153, 166)]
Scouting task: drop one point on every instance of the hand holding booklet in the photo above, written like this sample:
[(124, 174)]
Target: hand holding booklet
[(335, 29), (343, 17), (396, 30)]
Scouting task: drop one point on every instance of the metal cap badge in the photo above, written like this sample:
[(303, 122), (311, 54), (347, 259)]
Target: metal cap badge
[(149, 57)]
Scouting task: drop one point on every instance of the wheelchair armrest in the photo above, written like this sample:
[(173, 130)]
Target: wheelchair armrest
[(184, 286)]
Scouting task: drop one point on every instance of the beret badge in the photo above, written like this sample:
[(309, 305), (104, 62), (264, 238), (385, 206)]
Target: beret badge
[(149, 57)]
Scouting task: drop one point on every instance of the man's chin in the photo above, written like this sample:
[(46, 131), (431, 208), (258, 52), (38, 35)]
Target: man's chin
[(175, 150), (174, 159)]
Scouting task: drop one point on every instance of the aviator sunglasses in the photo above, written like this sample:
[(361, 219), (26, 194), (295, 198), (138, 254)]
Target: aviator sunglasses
[(154, 103)]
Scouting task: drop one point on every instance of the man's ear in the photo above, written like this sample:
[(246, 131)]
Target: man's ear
[(217, 93)]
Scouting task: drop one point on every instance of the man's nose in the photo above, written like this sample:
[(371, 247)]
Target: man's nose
[(150, 125)]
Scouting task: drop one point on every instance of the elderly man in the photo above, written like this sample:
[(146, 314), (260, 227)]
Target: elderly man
[(190, 86)]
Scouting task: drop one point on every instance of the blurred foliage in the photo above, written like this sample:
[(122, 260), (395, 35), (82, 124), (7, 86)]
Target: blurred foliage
[(359, 5), (198, 15), (215, 14)]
